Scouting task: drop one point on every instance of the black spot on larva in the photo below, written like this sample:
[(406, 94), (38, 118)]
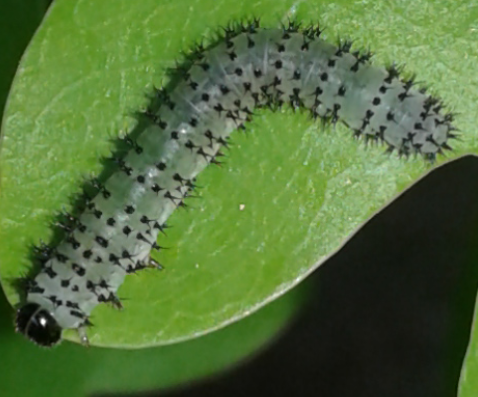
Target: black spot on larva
[(160, 227), (87, 254), (106, 194), (161, 166), (257, 73), (174, 135), (296, 75), (417, 146), (140, 178), (75, 288), (111, 222), (129, 209), (232, 55), (341, 91), (280, 47), (402, 96), (71, 304), (324, 76), (383, 89), (343, 48), (365, 123), (133, 144), (165, 98), (127, 230), (334, 116), (90, 285), (376, 101), (294, 100), (102, 298), (33, 287), (77, 313), (218, 108), (355, 67), (113, 259), (418, 126), (52, 298), (125, 254), (238, 71), (250, 42), (74, 242), (190, 144), (155, 246), (103, 284), (130, 269), (101, 241), (61, 258), (205, 155), (224, 89), (50, 272), (139, 236), (278, 64), (179, 178), (98, 259), (205, 97), (44, 252), (390, 116), (123, 167), (78, 269), (331, 63), (393, 73), (193, 122), (156, 188), (193, 85), (65, 283)]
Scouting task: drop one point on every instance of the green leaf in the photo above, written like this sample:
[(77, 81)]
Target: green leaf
[(290, 192)]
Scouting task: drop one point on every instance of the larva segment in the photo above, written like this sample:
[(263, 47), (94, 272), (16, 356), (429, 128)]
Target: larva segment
[(215, 94)]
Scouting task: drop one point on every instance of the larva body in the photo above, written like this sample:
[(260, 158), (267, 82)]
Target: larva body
[(249, 68)]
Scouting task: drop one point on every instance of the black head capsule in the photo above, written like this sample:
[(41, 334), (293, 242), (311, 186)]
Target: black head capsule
[(38, 325)]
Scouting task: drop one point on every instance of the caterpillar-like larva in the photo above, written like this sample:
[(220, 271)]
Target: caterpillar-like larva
[(247, 68)]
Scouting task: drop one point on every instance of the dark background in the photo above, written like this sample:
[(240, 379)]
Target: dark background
[(390, 313)]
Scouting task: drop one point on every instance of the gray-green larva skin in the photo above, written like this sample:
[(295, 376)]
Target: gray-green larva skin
[(247, 69)]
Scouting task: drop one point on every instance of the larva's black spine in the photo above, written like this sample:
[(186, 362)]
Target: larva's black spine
[(212, 91)]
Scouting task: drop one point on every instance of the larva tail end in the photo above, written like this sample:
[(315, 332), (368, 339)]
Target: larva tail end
[(38, 325)]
